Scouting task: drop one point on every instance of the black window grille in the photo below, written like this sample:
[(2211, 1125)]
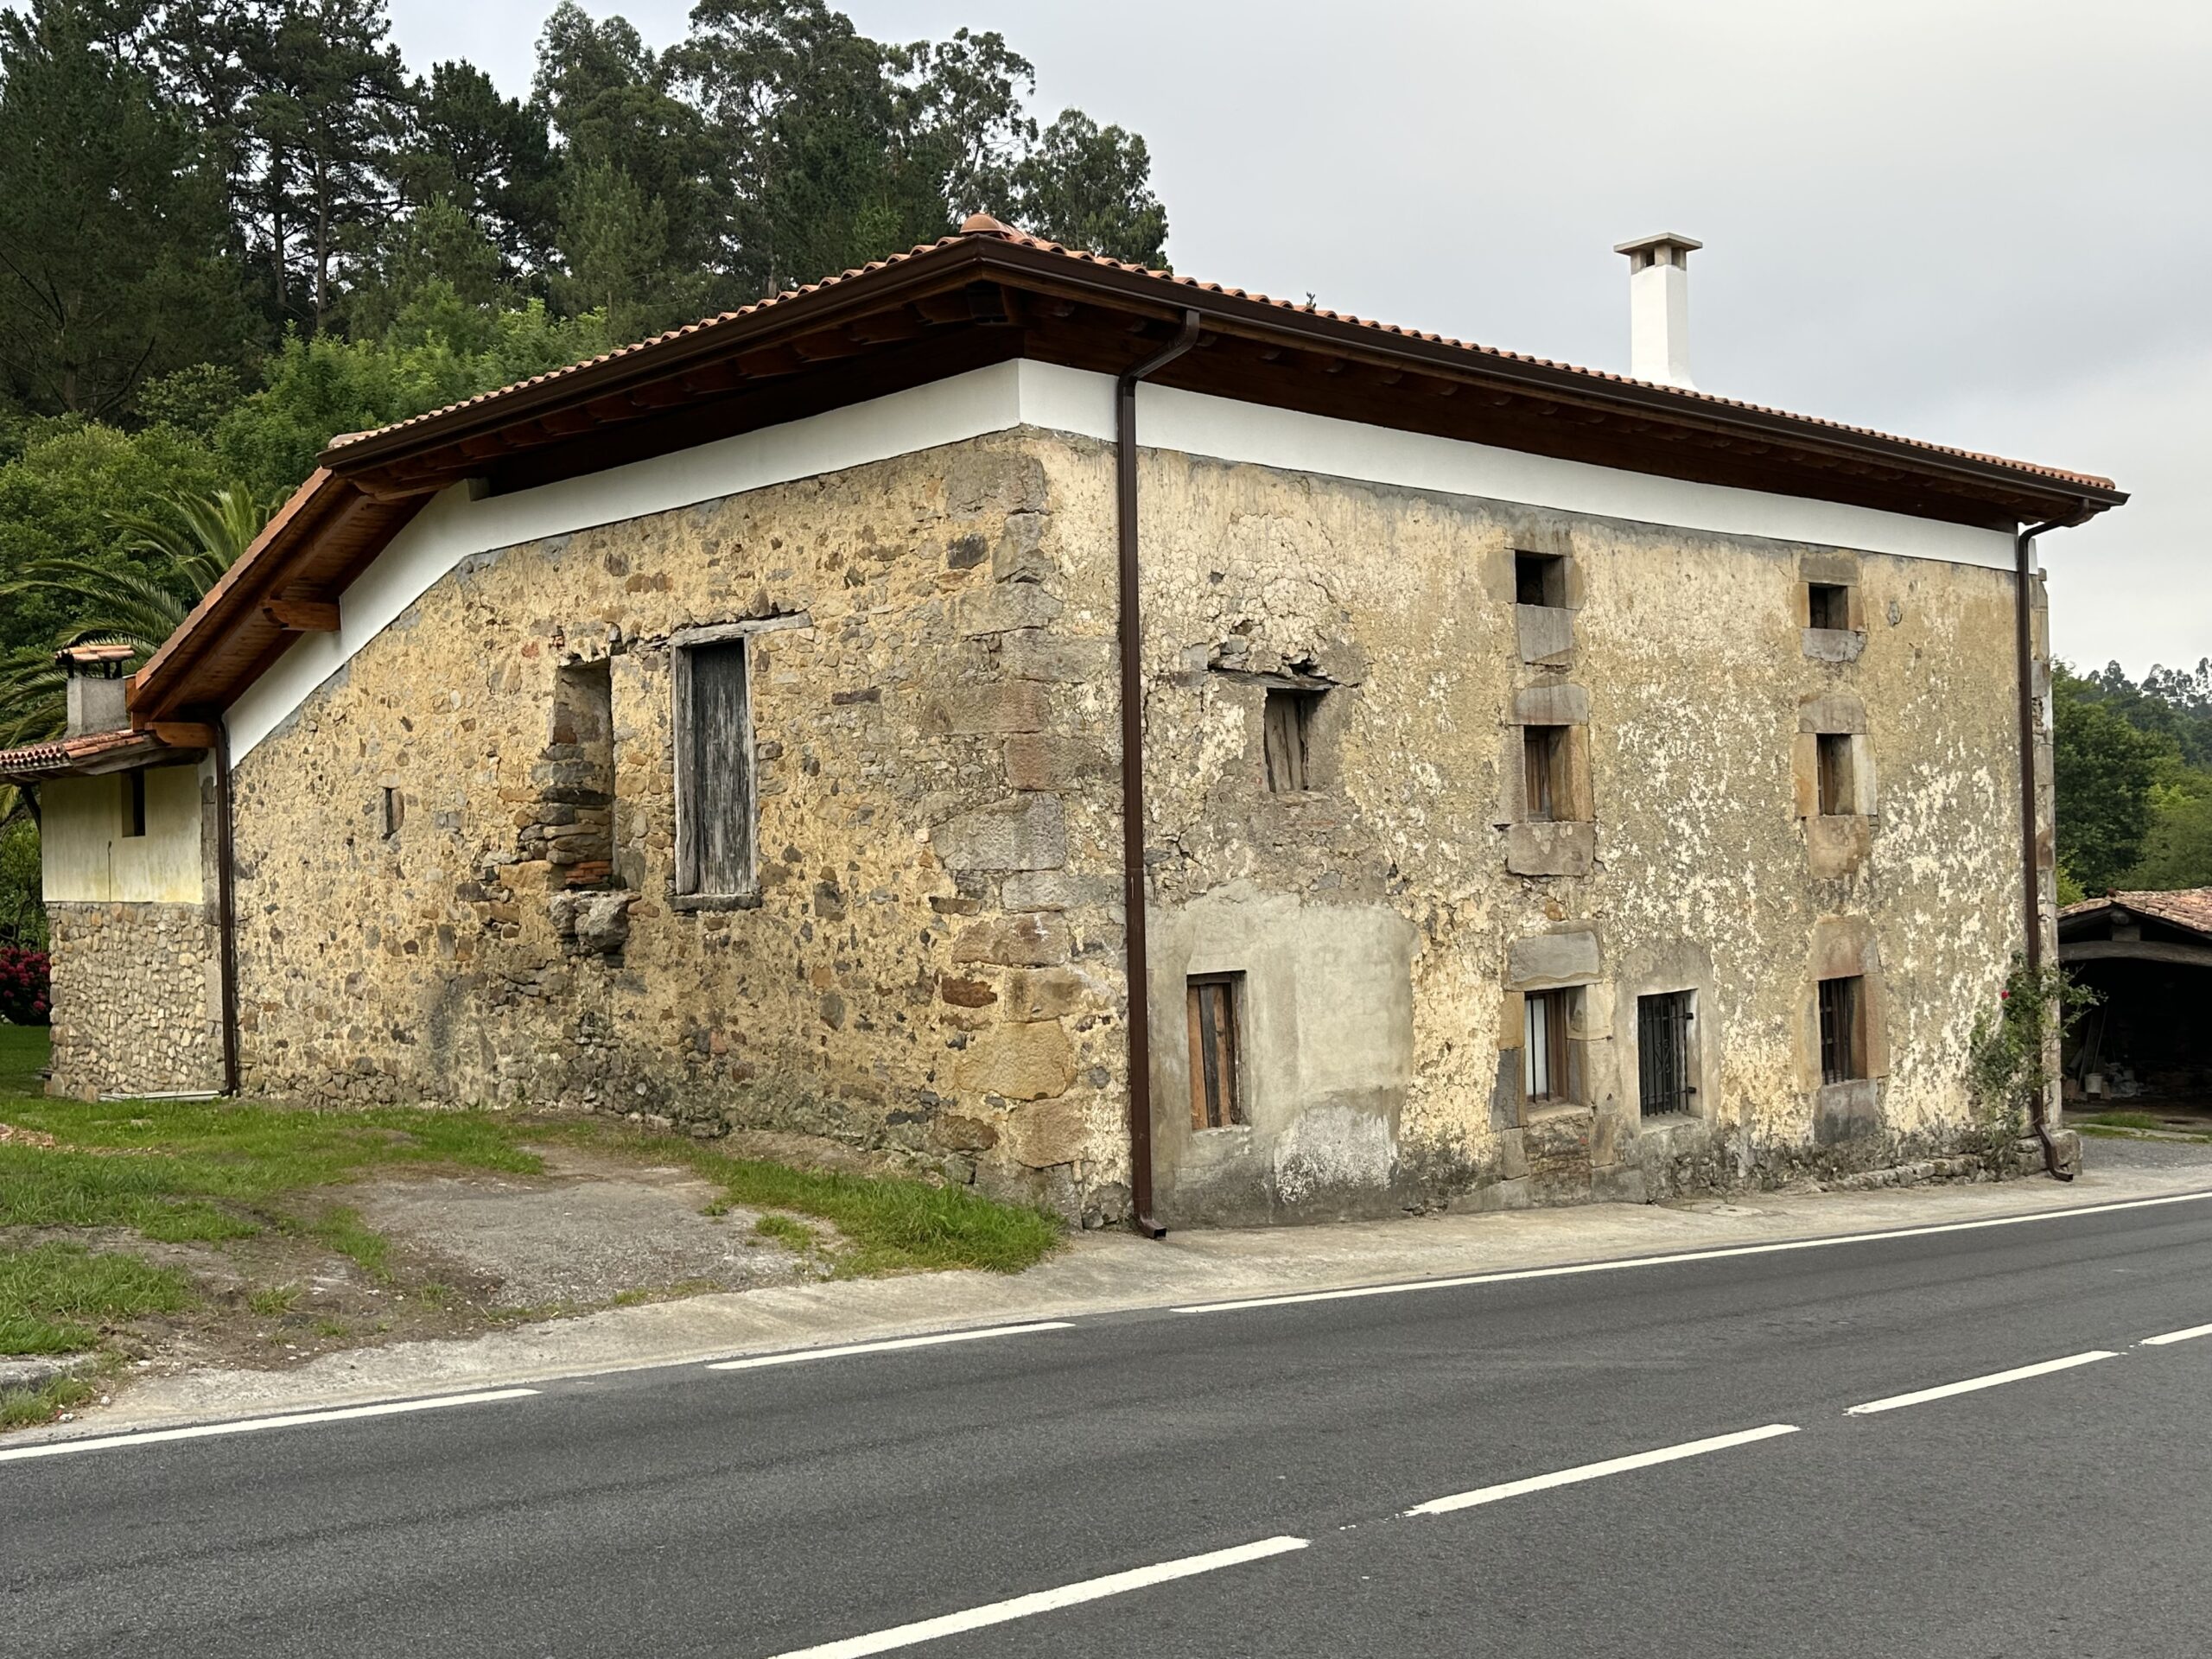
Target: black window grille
[(1839, 1048), (1663, 1054)]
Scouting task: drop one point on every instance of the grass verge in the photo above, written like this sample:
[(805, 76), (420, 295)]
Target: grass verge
[(26, 1407), (891, 1224), (54, 1297)]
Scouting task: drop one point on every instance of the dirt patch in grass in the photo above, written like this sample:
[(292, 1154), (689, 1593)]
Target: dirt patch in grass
[(596, 1229)]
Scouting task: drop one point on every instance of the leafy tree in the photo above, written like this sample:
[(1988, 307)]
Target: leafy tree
[(1090, 187), (175, 556), (58, 499), (2177, 847), (322, 387), (111, 231), (2105, 772)]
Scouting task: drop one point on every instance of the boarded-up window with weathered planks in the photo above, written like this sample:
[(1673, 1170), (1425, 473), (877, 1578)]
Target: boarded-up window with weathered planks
[(1287, 718), (1217, 1099), (713, 771)]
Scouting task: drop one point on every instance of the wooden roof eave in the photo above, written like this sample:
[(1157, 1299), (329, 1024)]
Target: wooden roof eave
[(1261, 319)]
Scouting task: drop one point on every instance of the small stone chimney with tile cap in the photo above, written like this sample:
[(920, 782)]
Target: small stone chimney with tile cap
[(97, 687), (1659, 307)]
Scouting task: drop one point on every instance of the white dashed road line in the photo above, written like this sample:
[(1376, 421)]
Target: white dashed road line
[(1975, 1384), (2190, 1335), (201, 1430), (1045, 1601), (798, 1356), (1597, 1470)]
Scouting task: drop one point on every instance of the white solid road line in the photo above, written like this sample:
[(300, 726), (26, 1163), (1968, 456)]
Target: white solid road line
[(2190, 1335), (1975, 1384), (1597, 1470), (1728, 1253), (1045, 1601), (201, 1431), (798, 1355)]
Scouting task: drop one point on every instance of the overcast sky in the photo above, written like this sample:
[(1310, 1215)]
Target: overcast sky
[(1980, 222)]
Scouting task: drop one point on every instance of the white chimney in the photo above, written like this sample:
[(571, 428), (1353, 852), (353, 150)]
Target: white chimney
[(1659, 308)]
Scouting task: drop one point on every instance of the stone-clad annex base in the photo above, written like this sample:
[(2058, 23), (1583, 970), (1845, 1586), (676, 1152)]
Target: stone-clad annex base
[(934, 961)]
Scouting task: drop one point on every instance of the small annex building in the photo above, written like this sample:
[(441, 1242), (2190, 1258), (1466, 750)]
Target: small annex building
[(1546, 784), (2148, 1039)]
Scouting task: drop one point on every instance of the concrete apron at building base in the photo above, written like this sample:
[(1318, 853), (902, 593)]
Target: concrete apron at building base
[(1100, 1273)]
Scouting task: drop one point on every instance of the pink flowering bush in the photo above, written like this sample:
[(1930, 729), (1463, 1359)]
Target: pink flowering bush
[(26, 996)]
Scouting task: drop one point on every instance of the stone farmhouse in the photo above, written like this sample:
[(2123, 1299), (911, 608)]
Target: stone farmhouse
[(1503, 782)]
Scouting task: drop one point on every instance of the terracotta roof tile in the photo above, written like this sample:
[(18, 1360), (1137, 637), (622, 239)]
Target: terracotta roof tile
[(991, 229), (2190, 907), (73, 752)]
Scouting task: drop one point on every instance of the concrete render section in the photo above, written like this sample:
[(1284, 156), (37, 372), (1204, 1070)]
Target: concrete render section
[(1114, 1273)]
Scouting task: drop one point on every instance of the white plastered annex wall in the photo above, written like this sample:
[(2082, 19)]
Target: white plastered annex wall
[(88, 858), (454, 526)]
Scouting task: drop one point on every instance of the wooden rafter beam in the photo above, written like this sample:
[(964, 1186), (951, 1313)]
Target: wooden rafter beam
[(301, 615)]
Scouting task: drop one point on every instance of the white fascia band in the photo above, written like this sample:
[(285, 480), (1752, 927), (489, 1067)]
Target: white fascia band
[(452, 527)]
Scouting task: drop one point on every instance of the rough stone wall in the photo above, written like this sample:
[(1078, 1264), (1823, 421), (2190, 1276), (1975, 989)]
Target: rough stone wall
[(1693, 686), (932, 962), (137, 1003)]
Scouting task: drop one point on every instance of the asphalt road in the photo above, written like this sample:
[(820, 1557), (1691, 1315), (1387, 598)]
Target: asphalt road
[(778, 1508)]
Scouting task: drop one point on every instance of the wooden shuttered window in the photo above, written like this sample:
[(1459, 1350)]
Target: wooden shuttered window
[(1216, 1093), (1838, 788), (714, 770), (1544, 782)]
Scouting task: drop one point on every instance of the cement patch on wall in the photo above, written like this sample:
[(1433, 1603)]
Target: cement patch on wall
[(1327, 1039)]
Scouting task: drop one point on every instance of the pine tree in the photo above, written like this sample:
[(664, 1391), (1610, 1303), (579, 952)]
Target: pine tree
[(111, 234)]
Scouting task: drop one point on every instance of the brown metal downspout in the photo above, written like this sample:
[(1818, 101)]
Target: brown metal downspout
[(226, 906), (2030, 860), (1132, 694)]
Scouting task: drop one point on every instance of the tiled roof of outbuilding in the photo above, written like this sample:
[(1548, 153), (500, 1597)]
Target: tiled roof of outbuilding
[(2190, 907)]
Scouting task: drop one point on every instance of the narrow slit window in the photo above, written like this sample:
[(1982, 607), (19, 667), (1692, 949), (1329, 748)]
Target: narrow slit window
[(1544, 1046), (1663, 1054), (1544, 756), (395, 810), (133, 805), (1540, 579), (1842, 1033), (1216, 1094), (1837, 796), (713, 771), (1828, 604), (1287, 722)]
